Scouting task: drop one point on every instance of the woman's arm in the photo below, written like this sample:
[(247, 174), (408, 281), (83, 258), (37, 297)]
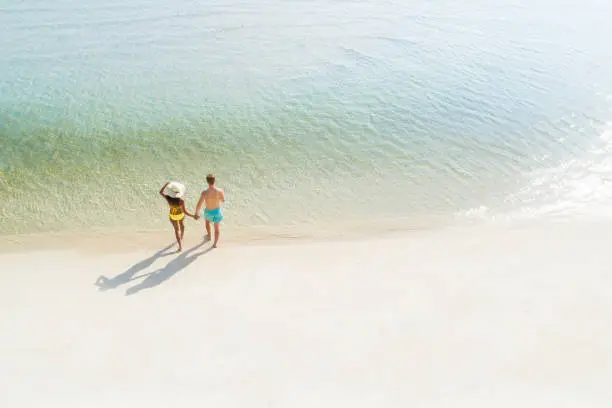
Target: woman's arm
[(185, 209), (161, 192)]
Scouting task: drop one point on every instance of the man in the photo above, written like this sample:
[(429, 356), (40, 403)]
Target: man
[(213, 197)]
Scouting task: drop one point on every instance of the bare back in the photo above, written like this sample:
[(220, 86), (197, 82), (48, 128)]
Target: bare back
[(213, 197)]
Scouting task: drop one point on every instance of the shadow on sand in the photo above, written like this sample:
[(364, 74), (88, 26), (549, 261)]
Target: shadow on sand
[(161, 275), (104, 283)]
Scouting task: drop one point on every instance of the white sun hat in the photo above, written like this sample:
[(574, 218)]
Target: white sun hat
[(174, 190)]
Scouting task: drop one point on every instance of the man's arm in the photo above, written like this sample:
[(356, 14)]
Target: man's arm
[(222, 197), (161, 192), (200, 203)]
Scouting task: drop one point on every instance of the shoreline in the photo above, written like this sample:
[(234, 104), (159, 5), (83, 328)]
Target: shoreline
[(100, 240), (108, 241)]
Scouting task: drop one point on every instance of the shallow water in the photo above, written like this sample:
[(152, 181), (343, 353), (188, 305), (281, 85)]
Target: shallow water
[(320, 113)]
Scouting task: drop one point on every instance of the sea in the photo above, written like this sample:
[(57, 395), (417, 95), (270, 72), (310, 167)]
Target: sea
[(318, 117)]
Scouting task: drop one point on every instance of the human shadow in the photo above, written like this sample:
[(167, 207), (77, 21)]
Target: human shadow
[(161, 275), (103, 283)]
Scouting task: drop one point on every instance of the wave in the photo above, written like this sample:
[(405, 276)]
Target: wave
[(578, 186)]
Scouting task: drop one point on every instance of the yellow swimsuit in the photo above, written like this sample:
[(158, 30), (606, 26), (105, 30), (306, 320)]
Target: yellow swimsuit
[(176, 212)]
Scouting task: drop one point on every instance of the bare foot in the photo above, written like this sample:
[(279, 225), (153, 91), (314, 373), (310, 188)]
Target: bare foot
[(206, 238), (216, 245)]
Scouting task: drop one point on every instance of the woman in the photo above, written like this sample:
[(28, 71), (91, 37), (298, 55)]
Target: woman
[(173, 193)]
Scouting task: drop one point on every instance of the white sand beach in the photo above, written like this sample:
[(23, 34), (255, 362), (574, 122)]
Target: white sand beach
[(475, 317)]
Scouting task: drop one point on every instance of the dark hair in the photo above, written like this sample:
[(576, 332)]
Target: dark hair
[(173, 200), (210, 179)]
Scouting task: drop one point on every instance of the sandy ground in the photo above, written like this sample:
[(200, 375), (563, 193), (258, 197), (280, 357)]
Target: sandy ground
[(478, 317)]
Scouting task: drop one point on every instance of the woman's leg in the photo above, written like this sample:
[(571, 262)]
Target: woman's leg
[(182, 225), (177, 235)]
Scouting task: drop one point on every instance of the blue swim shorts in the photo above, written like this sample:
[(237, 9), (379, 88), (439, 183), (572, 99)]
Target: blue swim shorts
[(215, 215)]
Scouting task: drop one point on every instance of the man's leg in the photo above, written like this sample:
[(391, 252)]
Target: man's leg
[(217, 233), (207, 224)]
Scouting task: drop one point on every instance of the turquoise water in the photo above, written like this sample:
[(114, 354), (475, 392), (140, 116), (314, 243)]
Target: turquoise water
[(311, 113)]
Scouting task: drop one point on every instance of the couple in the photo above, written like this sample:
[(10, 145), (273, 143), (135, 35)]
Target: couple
[(212, 197)]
